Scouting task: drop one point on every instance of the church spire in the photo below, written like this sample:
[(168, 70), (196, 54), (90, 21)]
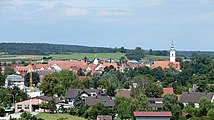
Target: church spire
[(172, 53), (172, 46)]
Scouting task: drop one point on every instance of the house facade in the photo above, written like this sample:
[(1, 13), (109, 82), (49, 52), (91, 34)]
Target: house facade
[(194, 97), (14, 80), (155, 103), (32, 105), (152, 115)]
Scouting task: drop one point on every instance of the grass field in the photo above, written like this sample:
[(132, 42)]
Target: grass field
[(48, 116), (90, 56), (154, 58), (19, 57)]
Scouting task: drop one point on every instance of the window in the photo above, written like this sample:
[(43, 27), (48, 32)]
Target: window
[(103, 101), (26, 106), (19, 106)]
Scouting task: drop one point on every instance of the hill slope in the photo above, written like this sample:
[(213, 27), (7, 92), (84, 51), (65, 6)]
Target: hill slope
[(45, 48)]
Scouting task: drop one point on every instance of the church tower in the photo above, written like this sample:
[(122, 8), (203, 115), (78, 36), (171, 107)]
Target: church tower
[(172, 53)]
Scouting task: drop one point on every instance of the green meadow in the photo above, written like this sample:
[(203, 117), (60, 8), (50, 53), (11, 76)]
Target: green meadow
[(90, 56), (48, 116)]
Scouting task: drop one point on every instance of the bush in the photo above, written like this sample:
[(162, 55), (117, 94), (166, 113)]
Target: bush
[(21, 110), (73, 111)]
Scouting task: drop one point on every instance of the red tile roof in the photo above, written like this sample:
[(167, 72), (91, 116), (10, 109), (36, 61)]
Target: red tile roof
[(166, 64), (68, 64), (152, 114), (167, 91), (110, 64), (38, 66)]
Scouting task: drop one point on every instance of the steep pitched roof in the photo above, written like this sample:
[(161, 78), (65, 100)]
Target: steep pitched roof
[(166, 64), (71, 93), (194, 97), (152, 114), (167, 91), (106, 64), (99, 99), (46, 98), (67, 64)]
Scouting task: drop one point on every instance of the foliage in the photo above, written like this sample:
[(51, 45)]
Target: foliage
[(210, 113), (35, 78), (6, 96), (170, 103), (135, 54), (27, 116), (125, 107), (52, 105), (2, 80), (48, 85), (153, 90), (80, 72), (8, 70), (44, 106), (2, 112)]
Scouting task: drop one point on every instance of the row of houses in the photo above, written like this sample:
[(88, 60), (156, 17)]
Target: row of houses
[(94, 96), (87, 67)]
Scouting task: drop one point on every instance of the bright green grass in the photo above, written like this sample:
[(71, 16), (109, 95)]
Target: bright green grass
[(48, 116), (90, 56)]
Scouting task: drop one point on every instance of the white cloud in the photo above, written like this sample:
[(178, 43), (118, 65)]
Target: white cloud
[(114, 12), (151, 4), (206, 16), (75, 12)]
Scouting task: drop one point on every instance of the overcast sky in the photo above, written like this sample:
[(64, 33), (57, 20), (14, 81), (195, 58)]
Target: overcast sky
[(110, 23)]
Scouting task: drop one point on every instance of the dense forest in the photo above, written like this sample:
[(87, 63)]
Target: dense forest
[(45, 48)]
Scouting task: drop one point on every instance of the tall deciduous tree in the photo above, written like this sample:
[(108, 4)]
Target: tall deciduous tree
[(170, 103), (35, 78), (48, 85), (153, 90)]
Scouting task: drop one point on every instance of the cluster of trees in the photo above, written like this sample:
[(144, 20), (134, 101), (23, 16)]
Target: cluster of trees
[(136, 54), (91, 112), (205, 110), (57, 83), (158, 52), (7, 94)]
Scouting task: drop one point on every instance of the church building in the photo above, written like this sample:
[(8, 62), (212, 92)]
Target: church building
[(168, 64)]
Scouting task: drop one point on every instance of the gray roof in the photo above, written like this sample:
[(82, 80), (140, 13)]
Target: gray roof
[(14, 78), (155, 99), (72, 93), (194, 97), (46, 98), (90, 90), (157, 105), (106, 100)]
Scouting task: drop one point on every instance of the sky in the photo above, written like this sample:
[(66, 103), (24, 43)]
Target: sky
[(110, 23)]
